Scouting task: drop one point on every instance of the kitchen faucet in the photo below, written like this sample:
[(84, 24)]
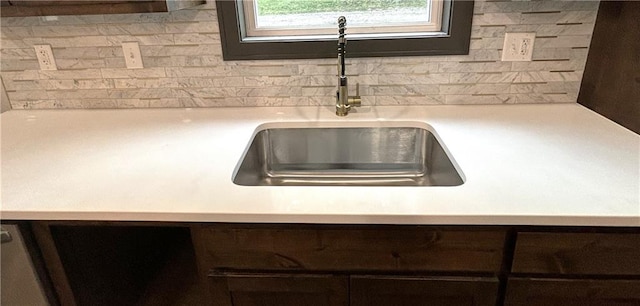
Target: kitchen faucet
[(344, 102)]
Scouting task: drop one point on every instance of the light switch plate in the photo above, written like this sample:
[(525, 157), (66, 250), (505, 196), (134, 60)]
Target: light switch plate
[(518, 47), (132, 56), (45, 57)]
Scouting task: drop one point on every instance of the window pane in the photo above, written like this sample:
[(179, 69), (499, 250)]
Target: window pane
[(363, 16), (324, 13)]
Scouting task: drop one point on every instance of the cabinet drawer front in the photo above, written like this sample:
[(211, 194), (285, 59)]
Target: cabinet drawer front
[(352, 249), (570, 292), (577, 253), (431, 291), (236, 289)]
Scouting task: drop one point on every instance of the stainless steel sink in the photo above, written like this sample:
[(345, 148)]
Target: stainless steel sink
[(346, 156)]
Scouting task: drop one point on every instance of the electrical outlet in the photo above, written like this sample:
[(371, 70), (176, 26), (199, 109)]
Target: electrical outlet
[(132, 56), (45, 57), (518, 47)]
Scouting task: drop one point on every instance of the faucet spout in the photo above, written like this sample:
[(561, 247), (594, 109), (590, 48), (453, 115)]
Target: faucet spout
[(344, 102)]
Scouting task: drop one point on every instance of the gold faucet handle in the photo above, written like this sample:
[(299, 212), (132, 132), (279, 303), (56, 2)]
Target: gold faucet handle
[(355, 100)]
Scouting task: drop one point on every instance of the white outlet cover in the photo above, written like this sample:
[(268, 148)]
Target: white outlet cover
[(45, 57), (518, 47), (132, 56)]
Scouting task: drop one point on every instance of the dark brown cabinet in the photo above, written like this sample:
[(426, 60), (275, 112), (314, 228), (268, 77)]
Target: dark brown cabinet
[(428, 291), (149, 263), (270, 289), (577, 253), (349, 248), (572, 292), (611, 82), (277, 289), (24, 8), (350, 265), (581, 269)]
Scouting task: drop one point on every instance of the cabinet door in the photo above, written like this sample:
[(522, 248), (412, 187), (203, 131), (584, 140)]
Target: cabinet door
[(237, 289), (416, 291), (572, 292), (577, 254)]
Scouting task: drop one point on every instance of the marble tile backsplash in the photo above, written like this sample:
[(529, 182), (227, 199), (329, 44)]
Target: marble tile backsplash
[(184, 67)]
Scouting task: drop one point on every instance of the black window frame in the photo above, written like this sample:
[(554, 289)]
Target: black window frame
[(455, 41)]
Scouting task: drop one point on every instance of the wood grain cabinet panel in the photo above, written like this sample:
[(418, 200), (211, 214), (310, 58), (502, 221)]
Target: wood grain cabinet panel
[(352, 249), (236, 289), (578, 253), (611, 82), (572, 292), (427, 291), (24, 8)]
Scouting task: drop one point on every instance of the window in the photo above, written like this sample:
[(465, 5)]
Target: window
[(285, 29), (282, 19)]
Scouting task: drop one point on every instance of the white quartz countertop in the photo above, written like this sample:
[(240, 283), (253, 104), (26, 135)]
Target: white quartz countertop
[(522, 165)]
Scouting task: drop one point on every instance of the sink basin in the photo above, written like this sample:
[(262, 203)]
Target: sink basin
[(345, 156)]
